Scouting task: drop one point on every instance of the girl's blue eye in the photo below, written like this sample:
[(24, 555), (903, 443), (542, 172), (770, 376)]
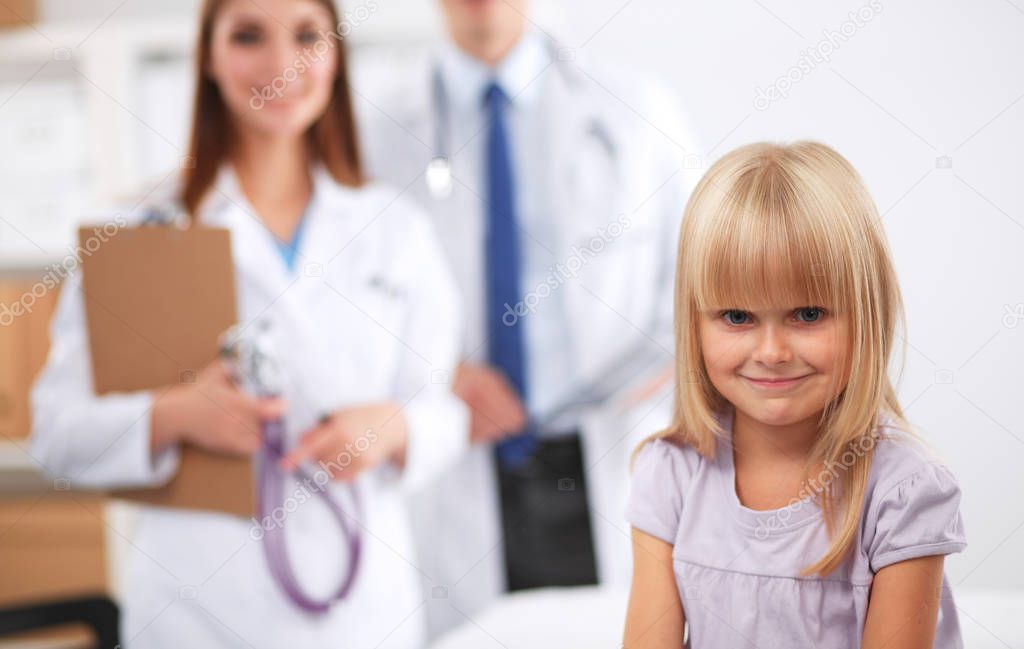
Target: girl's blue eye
[(306, 37), (810, 314), (735, 317)]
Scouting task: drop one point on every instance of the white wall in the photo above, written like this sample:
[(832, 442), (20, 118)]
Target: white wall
[(918, 81)]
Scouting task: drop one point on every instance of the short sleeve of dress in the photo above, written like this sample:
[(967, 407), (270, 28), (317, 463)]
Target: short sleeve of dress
[(918, 516), (659, 479)]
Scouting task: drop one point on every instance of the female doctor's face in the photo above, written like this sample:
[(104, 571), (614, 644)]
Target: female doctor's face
[(274, 63)]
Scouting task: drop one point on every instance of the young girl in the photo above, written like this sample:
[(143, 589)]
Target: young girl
[(788, 505)]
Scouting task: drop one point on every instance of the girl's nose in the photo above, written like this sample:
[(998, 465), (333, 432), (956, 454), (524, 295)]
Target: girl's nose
[(772, 347)]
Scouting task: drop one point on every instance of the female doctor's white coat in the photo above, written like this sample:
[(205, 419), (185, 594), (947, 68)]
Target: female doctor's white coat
[(370, 313), (609, 147)]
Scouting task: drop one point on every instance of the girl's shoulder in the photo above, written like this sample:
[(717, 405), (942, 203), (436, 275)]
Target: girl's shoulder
[(667, 453), (899, 455), (912, 504), (662, 471)]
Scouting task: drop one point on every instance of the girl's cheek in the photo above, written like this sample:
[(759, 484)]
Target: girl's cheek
[(720, 365)]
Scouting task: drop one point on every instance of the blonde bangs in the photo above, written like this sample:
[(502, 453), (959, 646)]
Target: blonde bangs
[(764, 247)]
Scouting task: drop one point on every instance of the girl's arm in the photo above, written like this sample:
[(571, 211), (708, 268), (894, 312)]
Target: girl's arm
[(903, 608), (655, 617)]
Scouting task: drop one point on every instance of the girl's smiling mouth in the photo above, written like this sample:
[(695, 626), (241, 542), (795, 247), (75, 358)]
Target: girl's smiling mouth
[(774, 383)]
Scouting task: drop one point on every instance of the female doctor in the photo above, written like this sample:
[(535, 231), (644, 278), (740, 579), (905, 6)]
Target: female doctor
[(353, 283)]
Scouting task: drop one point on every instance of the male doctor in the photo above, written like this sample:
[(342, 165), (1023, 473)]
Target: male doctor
[(557, 189)]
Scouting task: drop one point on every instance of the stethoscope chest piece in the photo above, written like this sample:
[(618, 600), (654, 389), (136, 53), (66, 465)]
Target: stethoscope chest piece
[(439, 177)]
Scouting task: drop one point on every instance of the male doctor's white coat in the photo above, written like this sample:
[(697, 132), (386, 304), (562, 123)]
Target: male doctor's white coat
[(370, 313), (607, 149)]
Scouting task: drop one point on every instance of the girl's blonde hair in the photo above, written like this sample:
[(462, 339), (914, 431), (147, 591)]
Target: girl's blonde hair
[(792, 225)]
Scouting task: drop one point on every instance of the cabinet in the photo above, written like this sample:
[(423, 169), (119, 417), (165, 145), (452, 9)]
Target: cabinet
[(25, 313)]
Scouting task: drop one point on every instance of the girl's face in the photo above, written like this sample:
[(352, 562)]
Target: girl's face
[(274, 63), (780, 366)]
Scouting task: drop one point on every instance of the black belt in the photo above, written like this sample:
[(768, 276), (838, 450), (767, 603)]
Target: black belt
[(548, 532)]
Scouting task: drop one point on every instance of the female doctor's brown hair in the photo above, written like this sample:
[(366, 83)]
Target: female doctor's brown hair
[(332, 137)]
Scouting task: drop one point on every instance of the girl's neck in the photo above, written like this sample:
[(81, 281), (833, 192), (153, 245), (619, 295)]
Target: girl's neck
[(772, 463), (757, 440)]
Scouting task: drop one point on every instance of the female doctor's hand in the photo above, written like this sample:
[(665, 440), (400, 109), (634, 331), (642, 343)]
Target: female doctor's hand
[(350, 441), (212, 413)]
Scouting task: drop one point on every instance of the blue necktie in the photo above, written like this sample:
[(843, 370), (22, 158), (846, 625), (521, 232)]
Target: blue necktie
[(503, 258)]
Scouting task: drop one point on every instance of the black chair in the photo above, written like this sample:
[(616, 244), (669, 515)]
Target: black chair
[(100, 613)]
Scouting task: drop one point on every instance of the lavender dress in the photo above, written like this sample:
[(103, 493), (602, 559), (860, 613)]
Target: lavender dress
[(737, 569)]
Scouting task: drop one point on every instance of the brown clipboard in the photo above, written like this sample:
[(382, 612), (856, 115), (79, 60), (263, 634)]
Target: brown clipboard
[(157, 299)]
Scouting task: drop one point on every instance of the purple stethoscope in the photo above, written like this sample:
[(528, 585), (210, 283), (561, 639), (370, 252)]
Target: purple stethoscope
[(250, 355)]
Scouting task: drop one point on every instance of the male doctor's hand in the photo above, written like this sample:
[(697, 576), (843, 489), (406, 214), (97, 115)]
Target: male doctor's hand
[(495, 409), (350, 441), (212, 413)]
